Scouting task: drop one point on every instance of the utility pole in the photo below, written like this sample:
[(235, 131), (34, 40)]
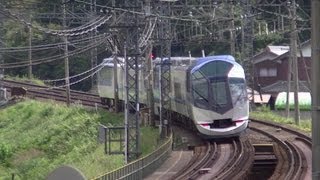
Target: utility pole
[(247, 46), (315, 40), (2, 91), (30, 52), (115, 64), (291, 58), (149, 69), (232, 31), (66, 59), (115, 79), (132, 62), (293, 53), (93, 52), (165, 69)]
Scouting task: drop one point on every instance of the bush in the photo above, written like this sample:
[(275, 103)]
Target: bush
[(5, 152)]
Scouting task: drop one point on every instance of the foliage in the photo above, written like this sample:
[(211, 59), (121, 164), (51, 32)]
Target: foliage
[(5, 152), (261, 41), (37, 137), (265, 114), (26, 79)]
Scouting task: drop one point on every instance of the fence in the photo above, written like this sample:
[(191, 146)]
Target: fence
[(142, 167)]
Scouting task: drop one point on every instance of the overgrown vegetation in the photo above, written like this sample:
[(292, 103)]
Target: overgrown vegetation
[(26, 79), (37, 137), (263, 113)]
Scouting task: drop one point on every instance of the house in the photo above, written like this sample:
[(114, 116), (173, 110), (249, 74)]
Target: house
[(271, 69)]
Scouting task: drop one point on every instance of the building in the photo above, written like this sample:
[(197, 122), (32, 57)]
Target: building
[(271, 69)]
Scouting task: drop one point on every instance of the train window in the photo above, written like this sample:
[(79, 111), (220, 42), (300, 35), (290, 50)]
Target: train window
[(219, 93), (177, 90), (156, 78), (237, 90), (201, 93), (106, 75), (216, 68)]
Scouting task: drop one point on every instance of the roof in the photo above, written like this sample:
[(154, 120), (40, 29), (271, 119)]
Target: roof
[(302, 45), (281, 86), (278, 50), (270, 53)]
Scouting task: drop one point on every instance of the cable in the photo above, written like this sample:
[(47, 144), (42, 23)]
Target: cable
[(136, 12), (41, 61), (62, 79), (48, 46), (71, 32)]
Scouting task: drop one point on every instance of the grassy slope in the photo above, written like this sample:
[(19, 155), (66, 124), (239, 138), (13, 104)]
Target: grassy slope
[(37, 137), (266, 114)]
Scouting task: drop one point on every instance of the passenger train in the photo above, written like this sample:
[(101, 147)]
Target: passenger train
[(209, 92)]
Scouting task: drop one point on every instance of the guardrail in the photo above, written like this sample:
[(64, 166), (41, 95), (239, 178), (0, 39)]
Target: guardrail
[(142, 167)]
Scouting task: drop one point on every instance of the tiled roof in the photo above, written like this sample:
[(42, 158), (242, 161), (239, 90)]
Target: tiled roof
[(281, 86)]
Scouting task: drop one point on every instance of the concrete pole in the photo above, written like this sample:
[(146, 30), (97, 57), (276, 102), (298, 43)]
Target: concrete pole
[(315, 40), (232, 32), (289, 69), (293, 50), (115, 79), (66, 59), (30, 53)]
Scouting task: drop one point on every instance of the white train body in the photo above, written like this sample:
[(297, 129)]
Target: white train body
[(210, 92)]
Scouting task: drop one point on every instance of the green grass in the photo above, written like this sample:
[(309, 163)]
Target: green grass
[(265, 114), (26, 79), (37, 137)]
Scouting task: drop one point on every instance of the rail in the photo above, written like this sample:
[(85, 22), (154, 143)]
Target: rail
[(142, 167)]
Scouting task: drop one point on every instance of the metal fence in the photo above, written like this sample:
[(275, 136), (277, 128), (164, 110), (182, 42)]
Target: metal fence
[(142, 167)]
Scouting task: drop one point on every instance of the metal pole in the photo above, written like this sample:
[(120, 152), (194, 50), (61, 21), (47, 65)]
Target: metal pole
[(66, 59), (315, 40), (294, 35)]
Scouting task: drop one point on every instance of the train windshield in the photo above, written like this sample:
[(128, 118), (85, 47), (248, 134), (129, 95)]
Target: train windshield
[(210, 87), (219, 93), (200, 90), (238, 90)]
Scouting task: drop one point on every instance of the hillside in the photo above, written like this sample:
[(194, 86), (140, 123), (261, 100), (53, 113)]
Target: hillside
[(37, 137)]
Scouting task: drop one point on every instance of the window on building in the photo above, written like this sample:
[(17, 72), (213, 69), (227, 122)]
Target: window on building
[(268, 72), (263, 72), (272, 72)]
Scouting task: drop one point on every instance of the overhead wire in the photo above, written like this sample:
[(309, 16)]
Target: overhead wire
[(71, 32), (49, 46), (50, 59)]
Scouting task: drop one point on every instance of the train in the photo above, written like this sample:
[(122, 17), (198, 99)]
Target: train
[(210, 93)]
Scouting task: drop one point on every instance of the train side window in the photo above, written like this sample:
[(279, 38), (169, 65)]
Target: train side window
[(177, 91), (156, 78), (107, 74)]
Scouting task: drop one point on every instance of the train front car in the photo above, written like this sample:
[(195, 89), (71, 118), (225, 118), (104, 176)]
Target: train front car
[(220, 106)]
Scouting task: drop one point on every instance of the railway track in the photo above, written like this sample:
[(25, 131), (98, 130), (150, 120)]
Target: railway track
[(57, 94), (219, 160), (292, 148)]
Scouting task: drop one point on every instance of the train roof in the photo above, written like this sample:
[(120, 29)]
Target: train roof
[(227, 58)]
